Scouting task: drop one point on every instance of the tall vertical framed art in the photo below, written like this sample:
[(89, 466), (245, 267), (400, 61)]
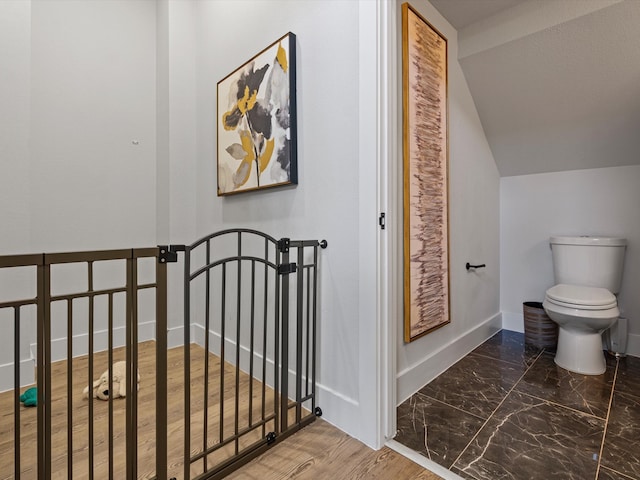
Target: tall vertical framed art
[(425, 176), (256, 121)]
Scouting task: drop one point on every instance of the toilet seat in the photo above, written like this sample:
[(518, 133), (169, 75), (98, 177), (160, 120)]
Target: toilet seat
[(580, 297)]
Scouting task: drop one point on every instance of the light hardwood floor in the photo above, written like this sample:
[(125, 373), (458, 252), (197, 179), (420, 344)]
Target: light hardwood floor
[(317, 451), (146, 418), (321, 451)]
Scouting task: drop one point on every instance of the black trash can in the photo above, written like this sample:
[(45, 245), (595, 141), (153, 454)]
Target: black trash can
[(539, 330)]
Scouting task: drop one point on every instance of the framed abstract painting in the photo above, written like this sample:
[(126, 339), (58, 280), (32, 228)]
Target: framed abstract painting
[(256, 121), (425, 176)]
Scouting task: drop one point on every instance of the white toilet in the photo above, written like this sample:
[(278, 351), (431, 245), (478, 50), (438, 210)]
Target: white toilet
[(588, 273)]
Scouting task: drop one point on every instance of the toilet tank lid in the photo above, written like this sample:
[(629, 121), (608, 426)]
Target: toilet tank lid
[(579, 295), (588, 240)]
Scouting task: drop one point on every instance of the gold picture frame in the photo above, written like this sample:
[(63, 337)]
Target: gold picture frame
[(257, 122), (425, 176)]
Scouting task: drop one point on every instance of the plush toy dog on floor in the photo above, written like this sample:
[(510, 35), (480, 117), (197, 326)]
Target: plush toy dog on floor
[(119, 383)]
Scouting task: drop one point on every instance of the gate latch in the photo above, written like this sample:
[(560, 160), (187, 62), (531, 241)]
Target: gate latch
[(287, 268)]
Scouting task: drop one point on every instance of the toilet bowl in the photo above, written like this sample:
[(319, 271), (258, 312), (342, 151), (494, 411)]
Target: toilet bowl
[(582, 314)]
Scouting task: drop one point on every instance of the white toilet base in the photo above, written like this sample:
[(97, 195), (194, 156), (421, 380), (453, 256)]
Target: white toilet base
[(580, 352)]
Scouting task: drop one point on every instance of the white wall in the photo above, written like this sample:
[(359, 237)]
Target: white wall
[(329, 200), (473, 237), (78, 133), (93, 93), (114, 146), (600, 201), (15, 45), (92, 96)]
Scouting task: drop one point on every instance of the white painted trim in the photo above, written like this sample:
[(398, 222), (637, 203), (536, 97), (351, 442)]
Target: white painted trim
[(415, 377), (368, 420), (198, 337), (27, 374), (415, 457), (245, 354), (633, 345), (175, 336), (343, 409), (146, 331), (387, 248), (515, 323)]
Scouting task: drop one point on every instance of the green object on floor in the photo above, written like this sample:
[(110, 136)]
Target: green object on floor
[(30, 397)]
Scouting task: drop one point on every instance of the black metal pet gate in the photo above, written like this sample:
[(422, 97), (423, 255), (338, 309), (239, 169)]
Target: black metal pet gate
[(240, 379)]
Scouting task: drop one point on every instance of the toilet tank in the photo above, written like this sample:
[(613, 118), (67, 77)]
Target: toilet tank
[(589, 261)]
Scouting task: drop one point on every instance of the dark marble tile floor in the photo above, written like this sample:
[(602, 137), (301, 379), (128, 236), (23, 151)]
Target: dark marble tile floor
[(506, 411)]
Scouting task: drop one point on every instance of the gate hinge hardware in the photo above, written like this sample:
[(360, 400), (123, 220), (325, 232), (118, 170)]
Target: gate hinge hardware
[(271, 437), (283, 245), (382, 221), (287, 268), (169, 253)]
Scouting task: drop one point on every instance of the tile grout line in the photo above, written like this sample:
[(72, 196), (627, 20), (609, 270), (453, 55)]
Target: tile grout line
[(560, 405), (429, 397), (606, 421), (496, 409)]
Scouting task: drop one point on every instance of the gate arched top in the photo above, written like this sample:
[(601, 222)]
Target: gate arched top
[(235, 258), (233, 231)]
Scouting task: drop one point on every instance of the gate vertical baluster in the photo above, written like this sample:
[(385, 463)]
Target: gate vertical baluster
[(238, 323), (187, 362), (284, 337), (265, 335), (69, 389), (110, 363), (44, 370), (299, 330), (307, 317), (222, 339), (161, 369), (276, 340), (90, 353), (132, 371), (16, 393), (251, 341), (314, 327), (131, 337), (207, 326)]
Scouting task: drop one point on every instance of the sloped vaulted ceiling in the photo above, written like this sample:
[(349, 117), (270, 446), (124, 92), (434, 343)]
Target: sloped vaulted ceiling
[(556, 82)]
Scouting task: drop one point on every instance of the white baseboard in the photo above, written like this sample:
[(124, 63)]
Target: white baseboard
[(175, 336), (633, 345), (339, 410), (146, 331), (515, 323), (412, 379), (27, 375), (415, 457), (198, 336)]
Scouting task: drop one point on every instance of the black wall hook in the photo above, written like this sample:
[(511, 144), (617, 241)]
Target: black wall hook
[(469, 266)]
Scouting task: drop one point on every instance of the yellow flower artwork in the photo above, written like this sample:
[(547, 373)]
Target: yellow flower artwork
[(256, 133)]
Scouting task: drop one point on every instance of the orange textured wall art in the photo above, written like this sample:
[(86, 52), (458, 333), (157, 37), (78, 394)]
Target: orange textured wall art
[(425, 177)]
